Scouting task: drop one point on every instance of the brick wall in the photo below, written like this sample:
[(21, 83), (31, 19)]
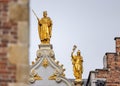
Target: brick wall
[(14, 31), (8, 34), (117, 39), (112, 72)]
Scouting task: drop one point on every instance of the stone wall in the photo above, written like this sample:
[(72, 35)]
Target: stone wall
[(14, 41)]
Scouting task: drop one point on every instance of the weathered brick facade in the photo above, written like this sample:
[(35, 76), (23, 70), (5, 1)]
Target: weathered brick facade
[(8, 34), (11, 26), (110, 74)]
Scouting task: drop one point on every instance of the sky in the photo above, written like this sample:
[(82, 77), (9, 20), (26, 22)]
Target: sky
[(92, 25)]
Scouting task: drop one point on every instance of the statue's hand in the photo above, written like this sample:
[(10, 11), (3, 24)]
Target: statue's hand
[(74, 47)]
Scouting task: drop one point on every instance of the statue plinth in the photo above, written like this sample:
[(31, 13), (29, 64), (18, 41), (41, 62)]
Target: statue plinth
[(78, 83), (45, 46)]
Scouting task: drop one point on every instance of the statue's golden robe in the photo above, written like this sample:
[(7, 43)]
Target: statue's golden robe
[(77, 61), (44, 29)]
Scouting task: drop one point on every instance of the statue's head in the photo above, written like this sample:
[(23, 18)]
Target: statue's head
[(45, 13), (78, 53)]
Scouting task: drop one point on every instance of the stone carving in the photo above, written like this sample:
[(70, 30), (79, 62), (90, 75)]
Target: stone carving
[(45, 63), (34, 76), (48, 68)]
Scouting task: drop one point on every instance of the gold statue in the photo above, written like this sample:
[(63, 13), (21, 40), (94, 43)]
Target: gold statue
[(77, 62), (44, 28)]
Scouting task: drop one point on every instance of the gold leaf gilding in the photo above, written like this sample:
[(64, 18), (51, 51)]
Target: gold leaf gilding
[(45, 63)]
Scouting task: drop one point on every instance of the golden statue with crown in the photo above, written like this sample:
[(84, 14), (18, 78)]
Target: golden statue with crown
[(44, 28)]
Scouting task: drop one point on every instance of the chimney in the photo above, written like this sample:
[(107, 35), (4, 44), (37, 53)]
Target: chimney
[(117, 40)]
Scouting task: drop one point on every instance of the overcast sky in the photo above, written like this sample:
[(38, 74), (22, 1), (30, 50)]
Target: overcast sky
[(89, 24)]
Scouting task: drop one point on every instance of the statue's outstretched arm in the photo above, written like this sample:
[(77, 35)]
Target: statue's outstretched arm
[(73, 50)]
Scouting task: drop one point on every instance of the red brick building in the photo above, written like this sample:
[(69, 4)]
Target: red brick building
[(110, 74), (14, 24), (11, 25), (8, 35)]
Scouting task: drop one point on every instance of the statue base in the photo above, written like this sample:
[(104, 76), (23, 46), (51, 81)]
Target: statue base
[(45, 46), (46, 71), (78, 83)]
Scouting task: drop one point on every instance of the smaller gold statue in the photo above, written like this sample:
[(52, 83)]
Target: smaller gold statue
[(44, 28), (77, 62)]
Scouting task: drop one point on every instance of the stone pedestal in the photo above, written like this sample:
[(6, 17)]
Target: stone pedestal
[(76, 83), (46, 71), (45, 46)]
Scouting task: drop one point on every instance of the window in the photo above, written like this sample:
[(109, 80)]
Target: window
[(100, 83)]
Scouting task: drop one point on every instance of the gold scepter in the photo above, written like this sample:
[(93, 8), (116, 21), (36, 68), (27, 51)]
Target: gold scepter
[(35, 15)]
